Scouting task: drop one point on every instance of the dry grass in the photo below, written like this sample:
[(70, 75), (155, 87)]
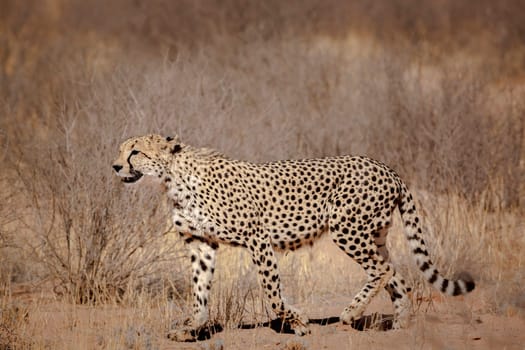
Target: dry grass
[(438, 97)]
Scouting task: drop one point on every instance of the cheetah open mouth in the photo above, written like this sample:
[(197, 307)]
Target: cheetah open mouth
[(135, 176)]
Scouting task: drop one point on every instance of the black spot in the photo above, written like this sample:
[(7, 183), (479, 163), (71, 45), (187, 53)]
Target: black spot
[(419, 251), (395, 295), (444, 286), (433, 278), (457, 289), (203, 265)]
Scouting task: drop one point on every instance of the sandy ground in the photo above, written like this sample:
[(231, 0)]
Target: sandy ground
[(443, 323), (438, 322)]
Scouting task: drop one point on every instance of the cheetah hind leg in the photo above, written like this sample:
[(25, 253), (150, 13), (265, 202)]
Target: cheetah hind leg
[(367, 255), (379, 273), (402, 305), (396, 285)]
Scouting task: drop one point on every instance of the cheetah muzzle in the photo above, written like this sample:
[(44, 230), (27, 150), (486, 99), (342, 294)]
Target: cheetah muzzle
[(283, 205), (135, 176)]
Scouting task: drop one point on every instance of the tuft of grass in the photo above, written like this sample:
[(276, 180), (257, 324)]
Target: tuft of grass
[(13, 318), (295, 344)]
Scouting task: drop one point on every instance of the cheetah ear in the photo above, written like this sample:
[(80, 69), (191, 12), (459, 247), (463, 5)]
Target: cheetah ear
[(174, 144), (176, 149)]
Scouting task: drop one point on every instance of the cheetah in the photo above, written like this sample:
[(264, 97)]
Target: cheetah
[(279, 206)]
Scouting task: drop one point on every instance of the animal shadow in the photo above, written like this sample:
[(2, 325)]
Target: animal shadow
[(375, 321)]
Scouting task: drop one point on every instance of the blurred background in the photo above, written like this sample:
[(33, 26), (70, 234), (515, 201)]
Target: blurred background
[(435, 89), (402, 81)]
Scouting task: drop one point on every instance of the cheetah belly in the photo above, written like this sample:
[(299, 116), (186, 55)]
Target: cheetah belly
[(296, 231)]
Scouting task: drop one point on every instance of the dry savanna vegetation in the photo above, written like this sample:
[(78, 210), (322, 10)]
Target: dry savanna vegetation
[(435, 89)]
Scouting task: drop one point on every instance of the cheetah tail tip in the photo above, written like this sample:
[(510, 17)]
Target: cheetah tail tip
[(470, 285), (468, 280)]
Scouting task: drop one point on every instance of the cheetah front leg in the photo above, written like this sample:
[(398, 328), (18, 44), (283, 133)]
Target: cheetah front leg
[(203, 265), (264, 258)]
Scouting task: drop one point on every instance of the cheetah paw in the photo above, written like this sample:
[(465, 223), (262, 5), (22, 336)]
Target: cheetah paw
[(299, 325), (185, 334), (350, 314), (400, 322), (301, 330)]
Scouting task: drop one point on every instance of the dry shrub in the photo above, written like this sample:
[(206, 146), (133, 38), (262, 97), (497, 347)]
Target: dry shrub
[(78, 221), (443, 135), (88, 232)]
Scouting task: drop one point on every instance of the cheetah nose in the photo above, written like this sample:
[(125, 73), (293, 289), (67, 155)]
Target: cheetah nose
[(117, 167)]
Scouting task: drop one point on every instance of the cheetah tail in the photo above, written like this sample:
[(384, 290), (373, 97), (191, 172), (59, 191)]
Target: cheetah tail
[(413, 233)]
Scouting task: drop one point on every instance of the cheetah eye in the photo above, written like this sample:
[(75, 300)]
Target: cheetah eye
[(134, 152)]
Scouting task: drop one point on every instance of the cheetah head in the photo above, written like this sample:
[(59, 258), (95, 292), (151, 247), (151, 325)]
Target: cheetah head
[(145, 155)]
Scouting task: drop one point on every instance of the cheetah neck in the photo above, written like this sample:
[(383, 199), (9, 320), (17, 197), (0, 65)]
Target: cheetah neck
[(186, 172)]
